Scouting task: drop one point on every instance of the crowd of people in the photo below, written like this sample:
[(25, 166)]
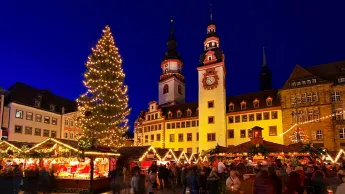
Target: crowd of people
[(221, 177)]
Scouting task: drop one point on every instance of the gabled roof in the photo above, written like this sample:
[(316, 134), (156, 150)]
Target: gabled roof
[(193, 106), (330, 71), (24, 94), (250, 97)]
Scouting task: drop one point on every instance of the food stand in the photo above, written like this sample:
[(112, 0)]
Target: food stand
[(169, 157)]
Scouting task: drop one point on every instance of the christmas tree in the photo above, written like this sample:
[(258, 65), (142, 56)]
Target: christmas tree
[(104, 106), (298, 136)]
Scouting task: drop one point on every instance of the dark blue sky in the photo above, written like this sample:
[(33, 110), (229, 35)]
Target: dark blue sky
[(45, 43)]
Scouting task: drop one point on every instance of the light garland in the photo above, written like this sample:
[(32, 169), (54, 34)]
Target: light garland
[(341, 151), (311, 121), (10, 145), (171, 152), (191, 158), (151, 148), (182, 154)]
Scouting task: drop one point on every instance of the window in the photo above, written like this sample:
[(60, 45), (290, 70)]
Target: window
[(165, 89), (342, 133), (53, 134), (29, 116), (318, 135), (54, 121), (316, 114), (172, 137), (155, 127), (66, 122), (231, 119), (315, 97), (178, 125), (152, 138), (313, 81), (231, 134), (197, 122), (189, 113), (46, 133), (52, 107), (158, 137), (251, 117), (37, 103), (309, 97), (274, 115), (38, 118), (146, 138), (243, 105), (258, 116), (197, 136), (183, 124), (66, 135), (179, 89), (335, 96), (304, 98), (189, 150), (237, 119), (193, 123), (339, 114), (37, 132), (293, 100), (310, 115), (148, 117), (189, 137), (211, 120), (298, 83), (169, 115), (250, 133), (211, 137), (71, 123), (71, 135), (293, 84), (210, 57), (341, 80), (272, 130), (243, 133), (308, 81), (46, 119), (19, 114), (18, 129), (156, 116), (244, 118), (210, 104), (180, 149), (256, 103), (180, 137), (303, 82), (266, 115), (179, 114), (159, 126), (28, 130), (231, 107), (269, 102), (173, 125)]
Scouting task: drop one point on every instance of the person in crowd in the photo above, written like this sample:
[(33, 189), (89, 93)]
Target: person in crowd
[(18, 177), (151, 183), (193, 181), (153, 167), (124, 172), (300, 171), (293, 184), (318, 182), (135, 183), (135, 168), (173, 176), (203, 181), (213, 182), (161, 175), (233, 182), (341, 187), (221, 168), (307, 179), (44, 180), (277, 182), (117, 182), (184, 174), (263, 184)]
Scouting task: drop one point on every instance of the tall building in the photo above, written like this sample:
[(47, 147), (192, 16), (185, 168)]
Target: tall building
[(3, 94), (312, 98), (32, 115), (214, 118)]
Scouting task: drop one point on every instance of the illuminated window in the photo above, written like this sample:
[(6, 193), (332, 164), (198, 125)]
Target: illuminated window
[(272, 130), (231, 134), (211, 137), (53, 134), (38, 118), (179, 113), (304, 97), (303, 82), (189, 113), (308, 81), (243, 105), (244, 118), (211, 120), (256, 103), (274, 115), (342, 133), (189, 137), (180, 137), (54, 121), (309, 97), (293, 84), (18, 129), (37, 132), (313, 81), (335, 96), (45, 133), (29, 116), (269, 102), (46, 120), (165, 89), (231, 119), (243, 133), (237, 119), (317, 134), (172, 137), (28, 130), (19, 114), (315, 97), (231, 107)]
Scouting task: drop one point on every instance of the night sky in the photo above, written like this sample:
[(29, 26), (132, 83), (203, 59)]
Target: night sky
[(45, 43)]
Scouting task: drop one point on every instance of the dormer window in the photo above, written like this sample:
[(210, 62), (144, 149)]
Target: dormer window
[(37, 103), (298, 83), (169, 115), (308, 81), (256, 103), (179, 114), (303, 83), (165, 89), (269, 101), (52, 107), (231, 107), (209, 57), (243, 105), (293, 84), (341, 80), (313, 81), (189, 113)]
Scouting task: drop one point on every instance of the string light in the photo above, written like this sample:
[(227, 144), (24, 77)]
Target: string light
[(106, 96), (181, 155), (151, 148), (172, 153), (10, 145)]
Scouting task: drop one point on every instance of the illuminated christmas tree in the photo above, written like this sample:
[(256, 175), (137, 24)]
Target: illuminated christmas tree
[(104, 106), (298, 136)]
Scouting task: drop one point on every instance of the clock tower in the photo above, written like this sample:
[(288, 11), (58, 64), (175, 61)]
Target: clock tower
[(171, 86), (212, 92)]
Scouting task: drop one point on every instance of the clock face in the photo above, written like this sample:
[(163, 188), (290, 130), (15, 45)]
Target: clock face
[(210, 80)]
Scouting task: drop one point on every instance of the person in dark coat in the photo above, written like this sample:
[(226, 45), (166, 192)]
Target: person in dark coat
[(117, 183), (318, 182), (213, 182), (263, 184), (193, 181), (135, 169), (277, 182), (203, 182)]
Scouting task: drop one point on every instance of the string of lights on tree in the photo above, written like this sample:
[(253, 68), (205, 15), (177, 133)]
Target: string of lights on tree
[(298, 136), (311, 121), (106, 99)]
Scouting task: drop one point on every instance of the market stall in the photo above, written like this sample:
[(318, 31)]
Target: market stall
[(169, 156), (11, 153), (183, 158)]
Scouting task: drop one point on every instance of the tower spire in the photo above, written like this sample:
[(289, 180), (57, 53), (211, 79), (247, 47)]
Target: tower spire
[(211, 12), (171, 25), (264, 57)]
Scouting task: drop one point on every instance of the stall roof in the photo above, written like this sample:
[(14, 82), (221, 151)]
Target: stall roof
[(133, 153), (17, 144), (270, 146)]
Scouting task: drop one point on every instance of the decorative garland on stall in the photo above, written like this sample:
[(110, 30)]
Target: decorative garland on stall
[(258, 149)]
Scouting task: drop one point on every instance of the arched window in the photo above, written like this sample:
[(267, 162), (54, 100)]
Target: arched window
[(165, 89), (243, 105), (179, 89), (269, 101), (256, 103), (179, 114), (189, 113)]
